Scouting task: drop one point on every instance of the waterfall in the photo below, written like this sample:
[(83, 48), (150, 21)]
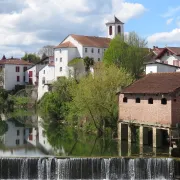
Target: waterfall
[(89, 168)]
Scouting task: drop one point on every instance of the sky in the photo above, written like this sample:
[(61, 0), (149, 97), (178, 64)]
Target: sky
[(28, 25)]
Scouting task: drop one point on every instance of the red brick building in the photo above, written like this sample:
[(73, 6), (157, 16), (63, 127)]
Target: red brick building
[(152, 100)]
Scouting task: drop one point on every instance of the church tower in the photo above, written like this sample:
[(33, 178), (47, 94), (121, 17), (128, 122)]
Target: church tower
[(115, 27)]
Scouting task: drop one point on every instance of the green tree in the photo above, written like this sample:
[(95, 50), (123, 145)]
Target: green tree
[(32, 58), (53, 105), (128, 52), (94, 97), (88, 62)]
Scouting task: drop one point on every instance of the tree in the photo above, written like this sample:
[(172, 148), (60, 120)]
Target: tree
[(32, 58), (94, 97), (128, 52), (53, 105), (48, 50), (88, 62)]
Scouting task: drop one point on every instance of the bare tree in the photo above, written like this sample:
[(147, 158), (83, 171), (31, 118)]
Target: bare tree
[(47, 50)]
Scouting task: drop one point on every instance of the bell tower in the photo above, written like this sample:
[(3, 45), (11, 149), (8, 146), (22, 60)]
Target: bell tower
[(115, 27)]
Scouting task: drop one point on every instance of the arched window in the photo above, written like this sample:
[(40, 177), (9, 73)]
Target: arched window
[(150, 101), (138, 100), (119, 29), (110, 30), (125, 100), (163, 101)]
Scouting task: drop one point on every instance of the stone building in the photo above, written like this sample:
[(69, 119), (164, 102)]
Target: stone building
[(151, 102)]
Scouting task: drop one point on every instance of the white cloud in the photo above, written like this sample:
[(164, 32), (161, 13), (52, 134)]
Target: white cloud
[(171, 38), (42, 22), (171, 12), (169, 21)]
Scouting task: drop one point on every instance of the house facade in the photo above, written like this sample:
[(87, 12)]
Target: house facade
[(73, 46), (13, 72), (40, 75), (153, 100), (157, 67), (78, 46)]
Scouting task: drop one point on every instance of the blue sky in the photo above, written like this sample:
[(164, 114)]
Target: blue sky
[(28, 25)]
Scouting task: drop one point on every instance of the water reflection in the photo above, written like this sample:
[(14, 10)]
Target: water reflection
[(30, 136)]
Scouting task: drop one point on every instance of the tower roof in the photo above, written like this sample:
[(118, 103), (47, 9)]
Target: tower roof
[(116, 21)]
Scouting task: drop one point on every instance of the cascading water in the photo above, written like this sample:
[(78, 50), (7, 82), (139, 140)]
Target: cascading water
[(88, 168)]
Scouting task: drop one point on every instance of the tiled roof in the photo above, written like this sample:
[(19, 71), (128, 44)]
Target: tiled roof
[(92, 41), (15, 61), (174, 50), (164, 64), (155, 83), (67, 44)]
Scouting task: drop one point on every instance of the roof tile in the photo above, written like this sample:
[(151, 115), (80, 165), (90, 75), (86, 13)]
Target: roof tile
[(155, 83)]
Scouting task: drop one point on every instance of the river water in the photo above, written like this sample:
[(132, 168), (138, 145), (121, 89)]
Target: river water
[(30, 149)]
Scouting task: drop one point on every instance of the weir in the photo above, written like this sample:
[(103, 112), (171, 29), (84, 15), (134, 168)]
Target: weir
[(88, 168)]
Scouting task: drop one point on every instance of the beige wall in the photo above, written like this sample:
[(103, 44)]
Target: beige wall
[(143, 112)]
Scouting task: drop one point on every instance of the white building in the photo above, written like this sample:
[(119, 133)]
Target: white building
[(157, 67), (78, 46), (168, 55), (164, 60), (13, 72), (41, 74), (73, 46)]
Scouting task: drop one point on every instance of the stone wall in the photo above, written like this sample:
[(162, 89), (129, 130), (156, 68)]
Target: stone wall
[(143, 112)]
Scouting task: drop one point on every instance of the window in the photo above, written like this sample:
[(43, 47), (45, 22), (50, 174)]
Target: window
[(43, 80), (30, 130), (44, 71), (92, 50), (24, 132), (125, 100), (86, 50), (60, 50), (150, 101), (17, 141), (24, 69), (60, 69), (24, 78), (167, 53), (99, 59), (119, 29), (60, 59), (138, 100), (17, 132), (18, 78), (43, 133), (174, 100), (98, 50), (164, 101), (110, 30), (17, 68), (56, 59)]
